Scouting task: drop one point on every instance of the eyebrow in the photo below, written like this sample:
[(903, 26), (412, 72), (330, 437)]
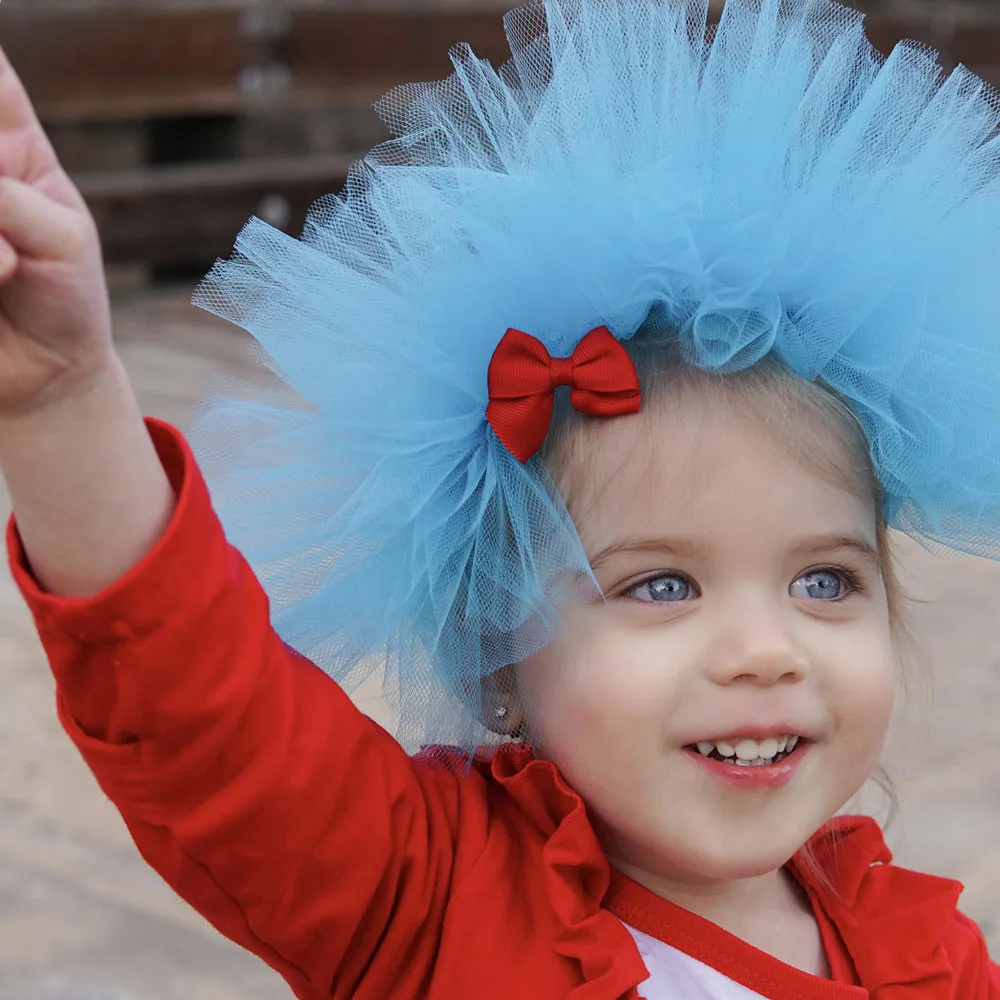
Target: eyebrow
[(816, 544), (651, 546), (688, 548)]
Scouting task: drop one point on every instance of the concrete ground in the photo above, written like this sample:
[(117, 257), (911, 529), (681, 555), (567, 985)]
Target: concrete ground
[(81, 917)]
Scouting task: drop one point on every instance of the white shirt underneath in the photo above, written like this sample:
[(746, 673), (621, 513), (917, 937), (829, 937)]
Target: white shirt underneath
[(676, 976)]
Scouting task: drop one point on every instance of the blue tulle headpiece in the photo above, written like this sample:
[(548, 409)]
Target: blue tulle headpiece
[(774, 186)]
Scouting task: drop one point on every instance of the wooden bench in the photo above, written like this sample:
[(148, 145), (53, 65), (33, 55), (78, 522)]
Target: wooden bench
[(117, 63), (151, 78), (179, 121)]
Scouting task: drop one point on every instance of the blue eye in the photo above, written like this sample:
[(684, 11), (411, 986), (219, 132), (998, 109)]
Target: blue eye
[(666, 589), (823, 585)]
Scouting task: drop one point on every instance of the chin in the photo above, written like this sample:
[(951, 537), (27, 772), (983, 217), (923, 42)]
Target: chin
[(746, 839), (726, 867), (736, 850)]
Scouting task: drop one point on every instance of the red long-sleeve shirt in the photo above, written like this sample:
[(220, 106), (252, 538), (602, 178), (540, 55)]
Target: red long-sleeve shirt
[(302, 831)]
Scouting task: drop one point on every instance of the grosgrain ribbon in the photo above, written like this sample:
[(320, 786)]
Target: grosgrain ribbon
[(522, 378)]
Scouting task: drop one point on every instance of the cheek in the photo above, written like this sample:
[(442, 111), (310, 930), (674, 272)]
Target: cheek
[(596, 693), (864, 694)]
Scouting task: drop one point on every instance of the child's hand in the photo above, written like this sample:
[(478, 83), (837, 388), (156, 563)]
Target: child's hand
[(86, 484), (55, 325)]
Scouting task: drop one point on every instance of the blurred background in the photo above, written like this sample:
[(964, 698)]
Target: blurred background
[(179, 119)]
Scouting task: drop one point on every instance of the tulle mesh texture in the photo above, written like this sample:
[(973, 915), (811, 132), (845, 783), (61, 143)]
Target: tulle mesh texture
[(773, 185)]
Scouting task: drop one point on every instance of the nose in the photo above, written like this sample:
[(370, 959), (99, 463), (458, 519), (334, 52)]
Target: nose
[(757, 648)]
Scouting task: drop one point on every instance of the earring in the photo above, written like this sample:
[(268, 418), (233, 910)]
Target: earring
[(507, 726)]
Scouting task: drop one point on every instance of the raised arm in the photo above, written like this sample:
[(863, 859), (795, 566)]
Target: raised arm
[(87, 488), (247, 778), (292, 822)]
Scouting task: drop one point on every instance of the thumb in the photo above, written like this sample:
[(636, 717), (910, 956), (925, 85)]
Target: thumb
[(36, 226)]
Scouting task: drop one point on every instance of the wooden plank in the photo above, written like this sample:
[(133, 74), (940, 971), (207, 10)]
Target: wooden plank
[(113, 6), (191, 214), (977, 45), (886, 32), (92, 65), (356, 47), (88, 64)]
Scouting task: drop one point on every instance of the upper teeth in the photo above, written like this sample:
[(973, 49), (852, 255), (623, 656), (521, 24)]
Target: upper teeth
[(746, 749)]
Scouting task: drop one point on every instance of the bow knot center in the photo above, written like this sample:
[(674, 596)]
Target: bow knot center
[(561, 372)]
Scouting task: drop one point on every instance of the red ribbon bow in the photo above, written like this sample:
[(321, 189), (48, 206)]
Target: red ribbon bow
[(522, 378)]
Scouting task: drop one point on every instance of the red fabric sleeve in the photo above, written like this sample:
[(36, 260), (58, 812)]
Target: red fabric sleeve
[(247, 778), (976, 976)]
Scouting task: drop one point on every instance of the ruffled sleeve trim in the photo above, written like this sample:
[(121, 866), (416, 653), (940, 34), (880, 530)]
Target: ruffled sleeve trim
[(894, 922), (577, 876)]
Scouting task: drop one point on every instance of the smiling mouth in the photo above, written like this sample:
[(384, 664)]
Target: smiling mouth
[(747, 752)]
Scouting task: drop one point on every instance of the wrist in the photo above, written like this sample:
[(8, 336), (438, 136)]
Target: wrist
[(86, 485), (67, 405)]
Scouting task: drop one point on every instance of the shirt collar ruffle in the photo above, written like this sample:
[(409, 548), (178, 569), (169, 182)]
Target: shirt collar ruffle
[(892, 921)]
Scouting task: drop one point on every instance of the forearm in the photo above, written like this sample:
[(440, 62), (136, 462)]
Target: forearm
[(88, 490), (247, 777)]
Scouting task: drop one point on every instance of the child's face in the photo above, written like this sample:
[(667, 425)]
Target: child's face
[(726, 616)]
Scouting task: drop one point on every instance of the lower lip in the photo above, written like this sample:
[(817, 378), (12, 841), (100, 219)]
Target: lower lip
[(763, 776)]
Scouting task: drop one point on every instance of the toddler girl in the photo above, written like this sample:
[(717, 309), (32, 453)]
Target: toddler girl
[(600, 387)]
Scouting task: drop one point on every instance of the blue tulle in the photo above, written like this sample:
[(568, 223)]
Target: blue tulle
[(778, 187)]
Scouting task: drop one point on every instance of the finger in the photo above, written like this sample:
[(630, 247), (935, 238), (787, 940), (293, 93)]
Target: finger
[(18, 115), (36, 226), (8, 261)]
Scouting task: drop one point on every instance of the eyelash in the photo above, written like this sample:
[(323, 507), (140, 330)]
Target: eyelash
[(851, 580)]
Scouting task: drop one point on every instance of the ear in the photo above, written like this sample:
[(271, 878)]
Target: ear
[(501, 710)]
